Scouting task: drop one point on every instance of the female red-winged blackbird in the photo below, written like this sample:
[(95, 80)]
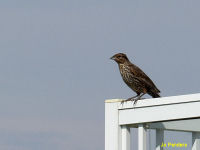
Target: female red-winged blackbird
[(135, 78)]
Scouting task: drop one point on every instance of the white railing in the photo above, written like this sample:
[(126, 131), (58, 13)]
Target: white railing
[(180, 113)]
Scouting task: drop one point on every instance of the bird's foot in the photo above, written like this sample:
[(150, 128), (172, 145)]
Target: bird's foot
[(123, 101), (129, 99), (133, 99), (138, 98)]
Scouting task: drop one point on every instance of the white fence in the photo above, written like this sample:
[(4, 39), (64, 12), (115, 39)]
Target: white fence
[(180, 113)]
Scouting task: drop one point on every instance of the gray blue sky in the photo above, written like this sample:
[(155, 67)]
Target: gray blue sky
[(55, 71)]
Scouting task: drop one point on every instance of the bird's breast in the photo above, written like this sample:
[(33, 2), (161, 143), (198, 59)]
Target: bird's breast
[(125, 72)]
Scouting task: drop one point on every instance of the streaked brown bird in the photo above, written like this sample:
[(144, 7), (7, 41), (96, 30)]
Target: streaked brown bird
[(135, 78)]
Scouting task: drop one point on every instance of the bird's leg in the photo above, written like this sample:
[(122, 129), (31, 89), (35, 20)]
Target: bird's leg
[(130, 99), (138, 98)]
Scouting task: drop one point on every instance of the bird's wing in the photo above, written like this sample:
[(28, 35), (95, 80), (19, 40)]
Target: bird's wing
[(143, 77)]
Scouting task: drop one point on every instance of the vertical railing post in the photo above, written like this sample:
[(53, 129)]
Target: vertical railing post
[(112, 129), (142, 137), (159, 139), (125, 138), (195, 141)]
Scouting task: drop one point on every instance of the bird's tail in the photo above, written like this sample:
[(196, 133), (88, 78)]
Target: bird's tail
[(155, 95)]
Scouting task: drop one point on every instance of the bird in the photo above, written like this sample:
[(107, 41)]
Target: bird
[(135, 78)]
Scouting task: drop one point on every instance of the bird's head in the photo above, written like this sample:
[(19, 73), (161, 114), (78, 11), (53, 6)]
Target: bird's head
[(120, 58)]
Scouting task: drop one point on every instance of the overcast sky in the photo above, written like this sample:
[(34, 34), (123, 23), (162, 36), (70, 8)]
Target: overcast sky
[(55, 71)]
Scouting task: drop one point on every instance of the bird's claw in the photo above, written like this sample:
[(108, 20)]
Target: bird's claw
[(138, 98), (122, 102), (133, 99), (129, 99)]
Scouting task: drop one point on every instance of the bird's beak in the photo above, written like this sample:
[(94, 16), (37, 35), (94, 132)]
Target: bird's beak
[(113, 58)]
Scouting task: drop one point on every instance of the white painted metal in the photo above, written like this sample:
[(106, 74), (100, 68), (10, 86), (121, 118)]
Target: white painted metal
[(195, 141), (171, 110), (126, 138), (142, 137), (162, 101), (191, 125), (159, 113), (159, 139), (112, 128)]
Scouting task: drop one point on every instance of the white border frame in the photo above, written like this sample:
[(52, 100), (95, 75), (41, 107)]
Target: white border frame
[(119, 118)]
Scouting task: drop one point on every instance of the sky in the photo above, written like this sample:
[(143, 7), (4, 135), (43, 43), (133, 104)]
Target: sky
[(55, 72)]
